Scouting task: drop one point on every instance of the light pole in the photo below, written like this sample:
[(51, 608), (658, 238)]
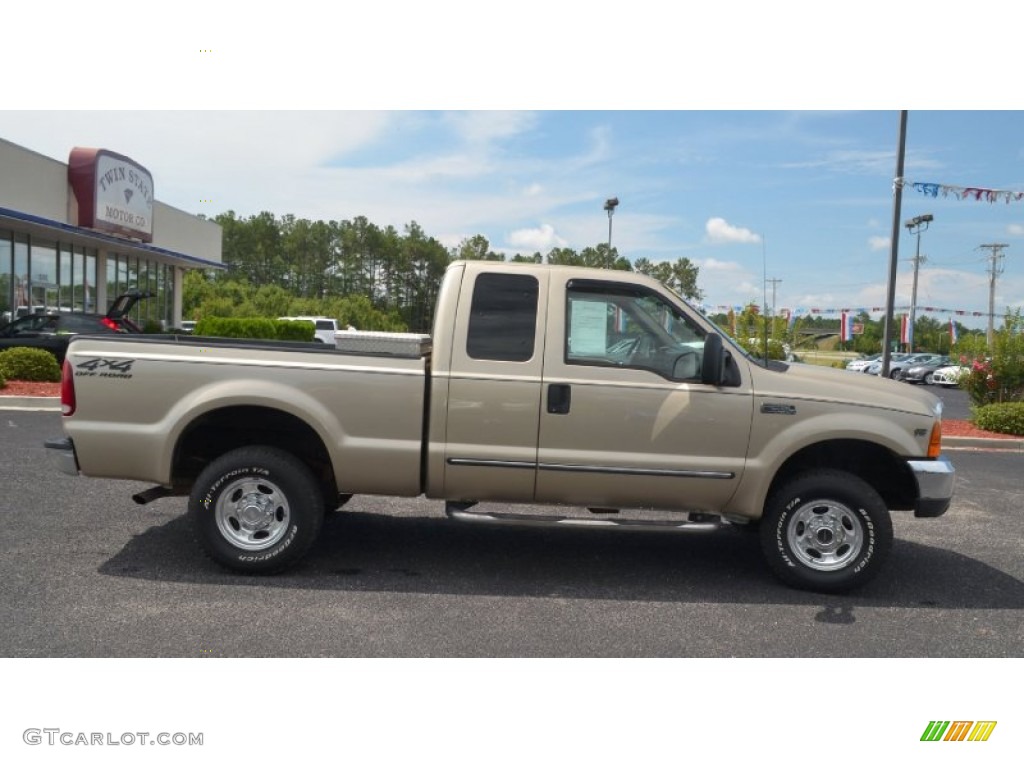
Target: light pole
[(916, 225), (609, 205)]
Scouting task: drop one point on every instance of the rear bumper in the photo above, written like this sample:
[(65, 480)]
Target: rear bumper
[(935, 480), (62, 454)]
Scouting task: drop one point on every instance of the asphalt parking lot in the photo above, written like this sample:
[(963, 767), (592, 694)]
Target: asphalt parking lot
[(90, 574)]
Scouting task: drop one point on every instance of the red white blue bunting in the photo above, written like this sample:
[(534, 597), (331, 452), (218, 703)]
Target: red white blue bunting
[(981, 194)]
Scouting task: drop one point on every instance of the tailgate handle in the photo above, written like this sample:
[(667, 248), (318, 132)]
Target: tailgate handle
[(559, 398)]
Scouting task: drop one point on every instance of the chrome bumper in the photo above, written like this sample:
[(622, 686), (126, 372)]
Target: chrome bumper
[(935, 479), (62, 454)]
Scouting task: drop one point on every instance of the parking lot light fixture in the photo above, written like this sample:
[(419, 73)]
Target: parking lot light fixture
[(610, 205)]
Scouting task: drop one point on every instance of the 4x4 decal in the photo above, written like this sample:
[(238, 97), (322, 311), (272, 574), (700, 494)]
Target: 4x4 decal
[(105, 367)]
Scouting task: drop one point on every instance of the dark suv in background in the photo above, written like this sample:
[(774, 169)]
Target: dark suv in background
[(52, 331)]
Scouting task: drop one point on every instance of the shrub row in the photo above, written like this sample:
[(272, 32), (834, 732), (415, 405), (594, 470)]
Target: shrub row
[(28, 364), (1005, 418), (256, 328)]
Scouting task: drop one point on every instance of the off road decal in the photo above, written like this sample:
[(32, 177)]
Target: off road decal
[(105, 368)]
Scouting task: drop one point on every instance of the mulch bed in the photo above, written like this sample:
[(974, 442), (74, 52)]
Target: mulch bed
[(950, 427), (31, 389)]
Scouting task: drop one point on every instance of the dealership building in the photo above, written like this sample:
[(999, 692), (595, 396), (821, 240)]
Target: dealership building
[(74, 235)]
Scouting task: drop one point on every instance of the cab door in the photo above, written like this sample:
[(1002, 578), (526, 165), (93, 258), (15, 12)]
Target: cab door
[(494, 385), (625, 420)]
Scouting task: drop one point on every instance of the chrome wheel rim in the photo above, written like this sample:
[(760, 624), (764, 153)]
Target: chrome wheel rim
[(252, 514), (825, 535)]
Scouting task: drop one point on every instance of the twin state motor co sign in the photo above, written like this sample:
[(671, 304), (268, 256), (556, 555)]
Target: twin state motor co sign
[(114, 193)]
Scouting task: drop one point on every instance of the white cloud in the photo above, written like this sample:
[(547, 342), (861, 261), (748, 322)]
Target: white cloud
[(714, 265), (487, 126), (542, 238), (1015, 229), (878, 243), (720, 231)]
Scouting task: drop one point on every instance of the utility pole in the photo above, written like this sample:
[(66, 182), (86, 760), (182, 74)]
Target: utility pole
[(916, 225), (771, 315), (995, 269)]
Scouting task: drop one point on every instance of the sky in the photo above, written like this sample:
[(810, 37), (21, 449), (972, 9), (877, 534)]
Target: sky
[(768, 160), (802, 198)]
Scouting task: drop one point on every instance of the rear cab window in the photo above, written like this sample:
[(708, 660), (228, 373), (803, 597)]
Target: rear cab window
[(503, 318)]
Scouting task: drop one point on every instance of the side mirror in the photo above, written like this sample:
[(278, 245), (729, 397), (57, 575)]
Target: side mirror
[(712, 369), (685, 366)]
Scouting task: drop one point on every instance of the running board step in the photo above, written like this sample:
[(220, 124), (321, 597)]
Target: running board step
[(511, 518)]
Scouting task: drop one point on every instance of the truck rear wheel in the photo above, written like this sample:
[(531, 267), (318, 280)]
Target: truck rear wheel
[(256, 509), (827, 531)]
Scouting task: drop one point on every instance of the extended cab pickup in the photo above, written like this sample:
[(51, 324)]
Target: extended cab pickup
[(599, 394)]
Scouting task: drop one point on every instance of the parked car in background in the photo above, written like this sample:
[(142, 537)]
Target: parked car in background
[(188, 326), (949, 375), (921, 373), (875, 368), (53, 330), (899, 371), (861, 363)]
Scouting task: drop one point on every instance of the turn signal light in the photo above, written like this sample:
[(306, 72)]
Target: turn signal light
[(935, 443)]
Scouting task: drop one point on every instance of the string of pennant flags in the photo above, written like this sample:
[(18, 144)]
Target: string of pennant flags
[(981, 194), (800, 311), (848, 325)]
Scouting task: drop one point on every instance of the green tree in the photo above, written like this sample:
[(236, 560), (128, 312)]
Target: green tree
[(476, 248), (680, 275)]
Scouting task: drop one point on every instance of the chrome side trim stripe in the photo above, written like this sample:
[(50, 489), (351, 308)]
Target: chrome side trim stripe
[(697, 473), (492, 463), (687, 473)]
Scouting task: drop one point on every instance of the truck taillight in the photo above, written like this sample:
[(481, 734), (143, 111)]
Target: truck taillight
[(67, 389), (110, 324)]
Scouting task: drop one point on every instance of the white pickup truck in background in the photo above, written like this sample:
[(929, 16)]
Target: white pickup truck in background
[(599, 394)]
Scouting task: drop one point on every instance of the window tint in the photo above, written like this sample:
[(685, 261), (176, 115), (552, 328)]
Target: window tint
[(81, 324), (503, 318), (625, 327)]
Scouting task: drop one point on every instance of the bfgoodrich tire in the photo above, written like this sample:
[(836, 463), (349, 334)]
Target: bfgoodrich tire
[(826, 531), (256, 509)]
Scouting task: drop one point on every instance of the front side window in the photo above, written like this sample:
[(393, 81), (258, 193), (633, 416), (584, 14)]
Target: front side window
[(624, 326), (503, 318)]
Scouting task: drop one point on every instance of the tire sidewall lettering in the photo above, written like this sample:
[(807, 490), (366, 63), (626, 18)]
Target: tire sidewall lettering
[(262, 557), (208, 498)]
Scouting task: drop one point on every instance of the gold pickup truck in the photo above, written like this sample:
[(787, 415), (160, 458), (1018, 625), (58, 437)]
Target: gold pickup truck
[(600, 396)]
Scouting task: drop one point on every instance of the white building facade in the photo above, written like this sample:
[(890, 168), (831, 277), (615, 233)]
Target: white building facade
[(74, 235)]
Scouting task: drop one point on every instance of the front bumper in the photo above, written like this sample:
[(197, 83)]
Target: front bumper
[(935, 480), (62, 454)]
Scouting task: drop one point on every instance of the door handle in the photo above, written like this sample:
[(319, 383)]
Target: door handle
[(559, 398)]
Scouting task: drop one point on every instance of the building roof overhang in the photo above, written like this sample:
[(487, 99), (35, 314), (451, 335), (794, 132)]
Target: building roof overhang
[(58, 230)]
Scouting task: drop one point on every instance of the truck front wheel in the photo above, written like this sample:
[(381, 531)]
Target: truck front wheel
[(827, 531), (256, 509)]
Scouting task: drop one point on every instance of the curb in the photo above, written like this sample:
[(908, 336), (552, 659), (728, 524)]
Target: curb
[(10, 403), (1002, 443), (13, 403)]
